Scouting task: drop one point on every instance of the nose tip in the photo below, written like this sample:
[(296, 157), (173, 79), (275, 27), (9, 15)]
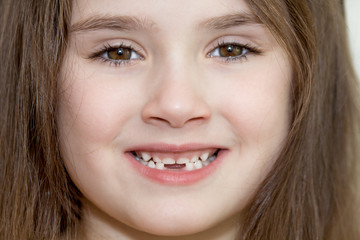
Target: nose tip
[(174, 115), (176, 108)]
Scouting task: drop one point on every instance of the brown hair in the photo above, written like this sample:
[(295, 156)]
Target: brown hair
[(311, 191), (37, 199), (309, 194)]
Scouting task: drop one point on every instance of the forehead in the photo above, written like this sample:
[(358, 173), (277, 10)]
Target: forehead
[(162, 14)]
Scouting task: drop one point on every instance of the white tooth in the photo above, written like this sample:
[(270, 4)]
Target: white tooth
[(189, 166), (151, 164), (205, 163), (168, 161), (198, 164), (145, 156), (156, 159), (143, 162), (182, 160), (204, 156), (194, 159), (159, 166)]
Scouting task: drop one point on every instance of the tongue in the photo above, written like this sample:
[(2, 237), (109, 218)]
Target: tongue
[(174, 166)]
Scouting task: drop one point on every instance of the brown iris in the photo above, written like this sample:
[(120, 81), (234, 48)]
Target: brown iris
[(120, 53), (230, 50)]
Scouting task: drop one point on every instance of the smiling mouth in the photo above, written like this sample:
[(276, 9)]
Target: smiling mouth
[(176, 161)]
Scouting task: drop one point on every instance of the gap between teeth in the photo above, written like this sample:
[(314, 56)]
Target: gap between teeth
[(190, 164)]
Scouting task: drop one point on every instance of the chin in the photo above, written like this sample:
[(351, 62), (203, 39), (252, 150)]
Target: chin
[(172, 229), (181, 222)]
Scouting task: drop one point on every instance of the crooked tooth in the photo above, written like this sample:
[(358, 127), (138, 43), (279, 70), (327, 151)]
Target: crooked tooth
[(182, 160), (151, 164), (204, 156), (159, 166), (156, 159), (168, 161), (194, 159), (198, 164), (189, 166), (145, 156)]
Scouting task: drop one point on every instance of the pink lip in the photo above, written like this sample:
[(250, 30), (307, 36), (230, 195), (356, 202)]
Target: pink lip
[(175, 177)]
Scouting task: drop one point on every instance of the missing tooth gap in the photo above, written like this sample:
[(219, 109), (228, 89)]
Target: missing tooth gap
[(175, 166)]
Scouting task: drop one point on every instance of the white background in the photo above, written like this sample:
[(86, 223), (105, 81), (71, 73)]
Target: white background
[(353, 18)]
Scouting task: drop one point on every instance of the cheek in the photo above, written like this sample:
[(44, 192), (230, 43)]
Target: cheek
[(258, 103), (252, 114), (92, 110)]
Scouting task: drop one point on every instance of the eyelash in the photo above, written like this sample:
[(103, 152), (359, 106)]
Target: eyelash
[(251, 49), (99, 55)]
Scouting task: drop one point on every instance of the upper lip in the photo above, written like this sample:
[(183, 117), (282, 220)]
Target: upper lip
[(174, 148)]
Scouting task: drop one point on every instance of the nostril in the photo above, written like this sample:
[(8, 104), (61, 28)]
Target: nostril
[(175, 123), (155, 120), (175, 108)]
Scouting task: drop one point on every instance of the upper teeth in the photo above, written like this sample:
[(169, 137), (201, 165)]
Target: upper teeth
[(168, 160), (195, 162), (204, 156), (145, 156)]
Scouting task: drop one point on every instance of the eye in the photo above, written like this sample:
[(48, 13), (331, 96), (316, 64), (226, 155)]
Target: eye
[(117, 55), (232, 51), (121, 53)]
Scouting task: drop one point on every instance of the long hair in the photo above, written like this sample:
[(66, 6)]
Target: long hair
[(37, 199), (310, 192)]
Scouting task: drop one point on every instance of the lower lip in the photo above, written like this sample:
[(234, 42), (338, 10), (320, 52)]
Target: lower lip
[(177, 177)]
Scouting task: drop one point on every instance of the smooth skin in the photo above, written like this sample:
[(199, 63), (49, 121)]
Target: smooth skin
[(174, 88)]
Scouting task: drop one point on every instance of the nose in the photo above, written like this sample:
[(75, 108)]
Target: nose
[(176, 101)]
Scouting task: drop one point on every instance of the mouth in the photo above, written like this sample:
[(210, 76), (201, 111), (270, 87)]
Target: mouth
[(176, 164), (180, 161)]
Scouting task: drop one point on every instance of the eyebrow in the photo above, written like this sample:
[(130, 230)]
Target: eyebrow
[(127, 23), (118, 23), (229, 20)]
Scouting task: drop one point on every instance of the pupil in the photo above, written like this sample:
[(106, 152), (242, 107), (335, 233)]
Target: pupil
[(120, 51), (230, 48)]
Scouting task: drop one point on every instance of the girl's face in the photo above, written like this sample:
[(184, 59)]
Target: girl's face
[(171, 113)]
